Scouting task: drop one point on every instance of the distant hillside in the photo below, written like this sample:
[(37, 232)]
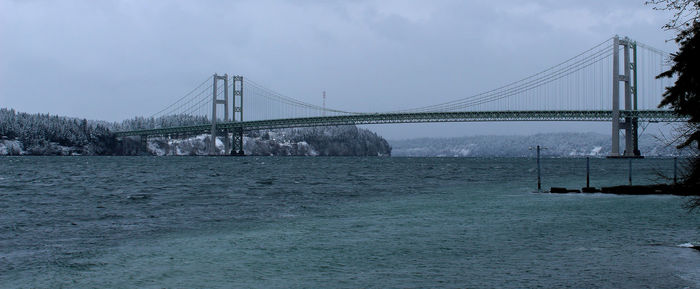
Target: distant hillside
[(320, 141), (43, 134), (557, 144), (347, 140)]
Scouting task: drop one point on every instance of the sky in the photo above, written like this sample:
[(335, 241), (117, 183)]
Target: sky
[(112, 60)]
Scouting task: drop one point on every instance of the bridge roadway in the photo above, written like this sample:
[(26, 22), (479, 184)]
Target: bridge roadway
[(419, 117)]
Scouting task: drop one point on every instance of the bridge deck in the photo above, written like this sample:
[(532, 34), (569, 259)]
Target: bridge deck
[(423, 117)]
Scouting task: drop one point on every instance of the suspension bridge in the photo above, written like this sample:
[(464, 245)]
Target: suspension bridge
[(614, 81)]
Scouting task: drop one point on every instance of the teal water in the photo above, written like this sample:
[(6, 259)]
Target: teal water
[(208, 222)]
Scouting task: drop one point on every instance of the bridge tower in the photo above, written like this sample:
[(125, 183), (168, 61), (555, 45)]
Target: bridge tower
[(630, 89), (237, 110), (215, 101)]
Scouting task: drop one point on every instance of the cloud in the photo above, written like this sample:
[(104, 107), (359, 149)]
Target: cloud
[(117, 59), (585, 19)]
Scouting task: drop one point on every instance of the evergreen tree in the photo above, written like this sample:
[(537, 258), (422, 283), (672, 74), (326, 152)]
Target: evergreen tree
[(684, 95)]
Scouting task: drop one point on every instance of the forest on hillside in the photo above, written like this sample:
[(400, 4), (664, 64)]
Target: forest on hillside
[(44, 134)]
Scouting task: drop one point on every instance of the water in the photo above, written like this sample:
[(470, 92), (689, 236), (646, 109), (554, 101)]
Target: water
[(185, 222)]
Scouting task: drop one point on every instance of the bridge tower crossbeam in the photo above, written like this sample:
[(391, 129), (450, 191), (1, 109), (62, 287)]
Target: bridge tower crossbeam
[(631, 123), (215, 101)]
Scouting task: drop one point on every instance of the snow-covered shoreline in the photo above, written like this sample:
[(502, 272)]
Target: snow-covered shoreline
[(324, 141)]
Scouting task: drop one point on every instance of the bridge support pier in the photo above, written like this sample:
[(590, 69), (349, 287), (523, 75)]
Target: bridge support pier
[(227, 143), (144, 143), (630, 123), (237, 149)]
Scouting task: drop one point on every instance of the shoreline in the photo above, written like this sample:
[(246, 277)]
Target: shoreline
[(635, 190)]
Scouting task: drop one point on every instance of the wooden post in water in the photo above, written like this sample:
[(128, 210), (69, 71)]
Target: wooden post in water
[(539, 168), (629, 174), (539, 178), (675, 170), (588, 172)]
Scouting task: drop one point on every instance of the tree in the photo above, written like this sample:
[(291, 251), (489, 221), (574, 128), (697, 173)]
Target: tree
[(685, 12), (684, 95)]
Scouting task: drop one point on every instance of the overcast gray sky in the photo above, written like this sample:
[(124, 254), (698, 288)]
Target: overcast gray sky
[(113, 60)]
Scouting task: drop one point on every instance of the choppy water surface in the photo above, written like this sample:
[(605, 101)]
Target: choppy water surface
[(266, 222)]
